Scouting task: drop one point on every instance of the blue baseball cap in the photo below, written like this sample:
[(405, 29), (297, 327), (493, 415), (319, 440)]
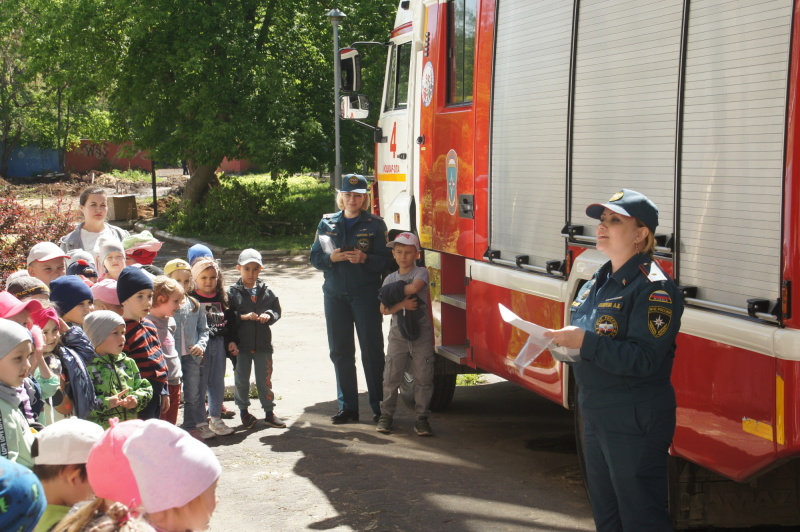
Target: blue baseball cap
[(354, 183), (631, 204)]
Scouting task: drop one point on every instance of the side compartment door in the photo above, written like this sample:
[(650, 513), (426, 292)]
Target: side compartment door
[(447, 128)]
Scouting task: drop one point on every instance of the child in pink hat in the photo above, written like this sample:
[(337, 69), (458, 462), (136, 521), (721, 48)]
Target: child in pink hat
[(176, 476), (117, 503)]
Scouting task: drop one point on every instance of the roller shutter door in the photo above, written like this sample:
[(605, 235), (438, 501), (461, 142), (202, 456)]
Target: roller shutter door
[(733, 144), (626, 90), (529, 128)]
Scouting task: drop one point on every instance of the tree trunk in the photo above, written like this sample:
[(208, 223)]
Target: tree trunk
[(201, 179)]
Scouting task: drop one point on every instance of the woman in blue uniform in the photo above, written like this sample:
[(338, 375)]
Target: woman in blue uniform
[(350, 248), (625, 321)]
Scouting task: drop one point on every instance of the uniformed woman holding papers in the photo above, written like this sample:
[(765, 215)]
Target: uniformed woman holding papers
[(624, 322), (350, 249)]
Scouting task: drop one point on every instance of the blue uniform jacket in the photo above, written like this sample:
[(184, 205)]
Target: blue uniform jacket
[(631, 319), (370, 236)]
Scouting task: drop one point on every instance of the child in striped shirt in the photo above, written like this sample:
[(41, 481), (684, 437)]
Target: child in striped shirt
[(135, 291)]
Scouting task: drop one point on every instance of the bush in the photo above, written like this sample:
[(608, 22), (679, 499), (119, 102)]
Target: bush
[(255, 205), (22, 227)]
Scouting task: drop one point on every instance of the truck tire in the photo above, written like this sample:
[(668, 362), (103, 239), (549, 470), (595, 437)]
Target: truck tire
[(444, 385)]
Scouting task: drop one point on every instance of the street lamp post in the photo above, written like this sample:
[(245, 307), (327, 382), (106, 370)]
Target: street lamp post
[(336, 17)]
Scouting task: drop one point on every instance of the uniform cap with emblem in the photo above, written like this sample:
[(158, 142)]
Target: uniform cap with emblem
[(631, 204), (354, 183)]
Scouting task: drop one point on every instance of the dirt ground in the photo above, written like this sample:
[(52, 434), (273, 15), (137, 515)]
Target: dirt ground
[(44, 191)]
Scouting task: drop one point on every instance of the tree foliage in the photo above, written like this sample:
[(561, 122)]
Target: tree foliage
[(202, 80)]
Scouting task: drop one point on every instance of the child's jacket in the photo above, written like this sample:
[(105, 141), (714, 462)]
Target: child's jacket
[(110, 375), (75, 352), (191, 327), (253, 335), (17, 434)]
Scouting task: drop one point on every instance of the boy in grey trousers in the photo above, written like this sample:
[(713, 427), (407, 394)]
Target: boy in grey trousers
[(405, 296), (256, 308)]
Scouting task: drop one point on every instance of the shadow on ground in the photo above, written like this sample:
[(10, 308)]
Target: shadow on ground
[(486, 468)]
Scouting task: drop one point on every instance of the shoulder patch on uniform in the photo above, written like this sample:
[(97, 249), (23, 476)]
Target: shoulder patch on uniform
[(660, 296), (658, 320), (328, 216), (653, 272)]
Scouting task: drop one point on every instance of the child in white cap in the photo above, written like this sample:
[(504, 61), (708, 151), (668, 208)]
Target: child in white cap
[(110, 257), (46, 262), (16, 347), (405, 297), (176, 476), (60, 452), (256, 308)]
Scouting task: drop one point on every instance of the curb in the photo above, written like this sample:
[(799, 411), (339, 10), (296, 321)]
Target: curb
[(217, 250)]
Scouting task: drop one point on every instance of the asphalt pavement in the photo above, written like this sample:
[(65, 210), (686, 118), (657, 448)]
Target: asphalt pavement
[(501, 458)]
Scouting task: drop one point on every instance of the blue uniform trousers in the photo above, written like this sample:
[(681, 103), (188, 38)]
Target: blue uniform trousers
[(363, 311), (626, 450)]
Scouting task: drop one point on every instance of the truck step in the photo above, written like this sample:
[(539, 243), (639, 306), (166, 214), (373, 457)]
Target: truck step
[(455, 353), (456, 300)]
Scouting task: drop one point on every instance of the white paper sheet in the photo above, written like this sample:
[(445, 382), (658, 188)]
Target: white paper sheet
[(326, 243), (536, 343)]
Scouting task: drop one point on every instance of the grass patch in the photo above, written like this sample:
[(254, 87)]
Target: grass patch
[(470, 379), (134, 175)]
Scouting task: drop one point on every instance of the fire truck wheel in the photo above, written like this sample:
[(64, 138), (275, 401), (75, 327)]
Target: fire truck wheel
[(444, 385)]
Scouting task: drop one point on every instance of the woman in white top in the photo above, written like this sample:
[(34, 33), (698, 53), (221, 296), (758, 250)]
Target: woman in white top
[(94, 207)]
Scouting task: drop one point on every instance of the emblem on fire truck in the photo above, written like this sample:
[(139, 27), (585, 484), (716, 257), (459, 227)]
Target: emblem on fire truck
[(427, 84), (452, 181)]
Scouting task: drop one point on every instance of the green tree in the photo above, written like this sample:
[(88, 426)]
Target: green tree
[(199, 80), (249, 79), (20, 92), (72, 46)]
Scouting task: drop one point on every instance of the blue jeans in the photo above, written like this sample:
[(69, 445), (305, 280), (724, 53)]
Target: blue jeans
[(262, 361), (341, 314), (194, 392), (153, 409), (214, 363)]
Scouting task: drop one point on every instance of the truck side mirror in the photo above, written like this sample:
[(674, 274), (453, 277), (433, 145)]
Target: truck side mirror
[(354, 106), (350, 69)]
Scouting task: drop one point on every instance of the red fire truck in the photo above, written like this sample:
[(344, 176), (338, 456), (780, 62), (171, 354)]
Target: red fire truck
[(502, 119)]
